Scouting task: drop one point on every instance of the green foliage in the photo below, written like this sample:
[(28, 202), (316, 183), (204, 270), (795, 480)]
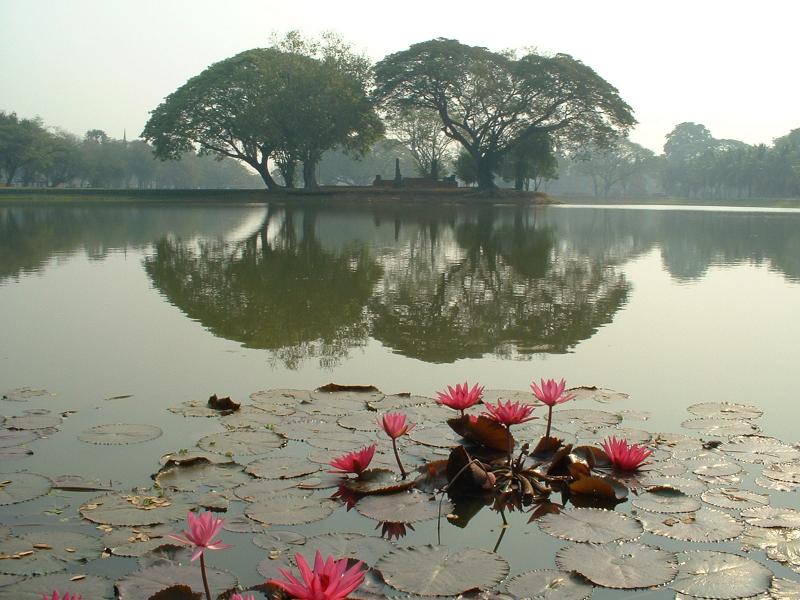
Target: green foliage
[(488, 102), (282, 103), (23, 142), (421, 131), (613, 168), (532, 159)]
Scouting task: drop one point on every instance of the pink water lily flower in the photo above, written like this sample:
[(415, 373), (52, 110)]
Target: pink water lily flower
[(510, 413), (329, 580), (203, 528), (66, 596), (394, 424), (550, 392), (354, 462), (624, 456), (461, 397)]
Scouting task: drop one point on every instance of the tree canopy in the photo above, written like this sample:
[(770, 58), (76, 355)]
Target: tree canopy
[(264, 104), (489, 101)]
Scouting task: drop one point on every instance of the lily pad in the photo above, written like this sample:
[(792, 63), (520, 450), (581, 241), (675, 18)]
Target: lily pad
[(120, 434), (242, 442), (719, 468), (704, 525), (90, 587), (441, 571), (734, 498), (405, 507), (589, 418), (137, 541), (280, 401), (594, 525), (690, 487), (378, 481), (760, 450), (28, 422), (774, 485), (549, 584), (784, 589), (24, 394), (720, 575), (721, 427), (20, 487), (9, 438), (356, 546), (725, 410), (596, 394), (252, 418), (42, 552), (15, 453), (438, 436), (257, 489), (194, 408), (191, 477), (289, 510), (784, 472), (360, 421), (626, 565), (131, 510), (279, 541), (666, 501), (768, 516), (144, 583), (281, 467)]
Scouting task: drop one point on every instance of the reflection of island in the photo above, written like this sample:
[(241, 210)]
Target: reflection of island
[(507, 289), (277, 290), (30, 236)]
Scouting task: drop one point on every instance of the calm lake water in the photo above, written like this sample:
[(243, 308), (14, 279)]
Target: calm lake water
[(168, 303)]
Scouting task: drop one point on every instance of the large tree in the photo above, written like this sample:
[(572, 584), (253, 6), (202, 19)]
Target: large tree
[(265, 104), (489, 101), (23, 142)]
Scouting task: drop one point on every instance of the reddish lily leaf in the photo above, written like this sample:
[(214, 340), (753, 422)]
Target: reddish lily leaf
[(465, 475), (599, 487), (484, 431), (433, 476)]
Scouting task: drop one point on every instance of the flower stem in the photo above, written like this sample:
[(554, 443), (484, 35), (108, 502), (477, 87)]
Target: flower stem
[(549, 420), (510, 449), (397, 458), (205, 578)]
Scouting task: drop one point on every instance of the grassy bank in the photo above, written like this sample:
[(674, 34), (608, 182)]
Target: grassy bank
[(323, 195), (677, 201)]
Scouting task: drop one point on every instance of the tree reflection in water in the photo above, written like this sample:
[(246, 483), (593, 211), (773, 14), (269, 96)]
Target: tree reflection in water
[(450, 291)]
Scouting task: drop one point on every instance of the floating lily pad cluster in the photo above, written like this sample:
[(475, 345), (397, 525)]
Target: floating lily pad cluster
[(719, 491)]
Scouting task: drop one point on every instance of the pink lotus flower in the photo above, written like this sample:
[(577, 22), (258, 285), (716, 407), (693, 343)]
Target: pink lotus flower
[(551, 393), (624, 456), (394, 424), (460, 398), (354, 462), (201, 533), (329, 580), (66, 596), (510, 413)]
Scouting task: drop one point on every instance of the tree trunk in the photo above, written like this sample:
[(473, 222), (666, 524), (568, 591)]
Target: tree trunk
[(485, 173), (288, 171), (519, 175), (263, 170), (310, 174)]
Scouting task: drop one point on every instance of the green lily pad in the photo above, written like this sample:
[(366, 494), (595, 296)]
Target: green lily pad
[(281, 467), (89, 587), (191, 477), (734, 498), (783, 472), (405, 507), (441, 571), (120, 434), (627, 565), (549, 584), (666, 501), (594, 525), (768, 516), (21, 487), (10, 438), (704, 525), (42, 552), (760, 450), (24, 394), (720, 575), (258, 489), (137, 541), (33, 421), (721, 427), (146, 582), (725, 410), (242, 442), (289, 510), (132, 510), (356, 546)]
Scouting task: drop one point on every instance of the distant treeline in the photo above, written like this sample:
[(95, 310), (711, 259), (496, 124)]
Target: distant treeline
[(32, 154)]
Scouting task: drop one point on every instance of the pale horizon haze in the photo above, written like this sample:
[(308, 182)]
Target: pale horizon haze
[(101, 64)]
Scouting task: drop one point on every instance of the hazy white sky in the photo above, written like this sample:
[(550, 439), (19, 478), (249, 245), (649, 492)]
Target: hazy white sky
[(731, 65)]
